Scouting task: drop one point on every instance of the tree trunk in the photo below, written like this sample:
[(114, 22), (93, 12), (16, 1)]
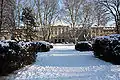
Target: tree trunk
[(49, 33), (118, 26), (1, 13)]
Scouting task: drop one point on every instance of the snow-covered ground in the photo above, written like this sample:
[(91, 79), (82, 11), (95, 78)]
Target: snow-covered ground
[(63, 62)]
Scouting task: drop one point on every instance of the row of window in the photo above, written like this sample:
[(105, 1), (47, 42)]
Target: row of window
[(101, 31)]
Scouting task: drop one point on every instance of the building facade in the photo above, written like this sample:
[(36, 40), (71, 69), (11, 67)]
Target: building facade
[(102, 31), (63, 34), (55, 34)]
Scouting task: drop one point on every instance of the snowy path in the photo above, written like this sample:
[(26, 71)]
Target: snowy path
[(65, 63)]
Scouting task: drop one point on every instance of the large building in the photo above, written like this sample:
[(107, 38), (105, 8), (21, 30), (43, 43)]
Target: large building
[(64, 34), (58, 34)]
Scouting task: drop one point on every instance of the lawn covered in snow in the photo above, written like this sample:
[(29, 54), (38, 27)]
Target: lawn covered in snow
[(63, 62)]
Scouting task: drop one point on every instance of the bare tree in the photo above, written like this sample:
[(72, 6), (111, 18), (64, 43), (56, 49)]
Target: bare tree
[(7, 20), (70, 14), (102, 15), (71, 11), (114, 8), (86, 19), (47, 11), (18, 11), (78, 13)]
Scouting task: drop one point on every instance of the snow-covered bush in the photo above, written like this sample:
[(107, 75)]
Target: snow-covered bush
[(83, 46), (29, 50), (42, 46), (46, 43), (15, 55), (107, 48)]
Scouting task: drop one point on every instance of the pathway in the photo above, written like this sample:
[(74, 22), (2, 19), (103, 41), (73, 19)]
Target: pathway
[(63, 62)]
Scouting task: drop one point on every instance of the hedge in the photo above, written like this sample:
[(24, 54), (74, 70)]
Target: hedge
[(107, 48), (15, 55)]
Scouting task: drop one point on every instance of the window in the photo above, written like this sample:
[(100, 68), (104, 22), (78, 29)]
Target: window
[(55, 31), (63, 40)]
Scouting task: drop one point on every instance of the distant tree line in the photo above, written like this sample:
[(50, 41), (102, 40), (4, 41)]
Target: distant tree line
[(46, 13)]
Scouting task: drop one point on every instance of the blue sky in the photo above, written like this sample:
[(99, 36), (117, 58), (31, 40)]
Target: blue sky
[(63, 23)]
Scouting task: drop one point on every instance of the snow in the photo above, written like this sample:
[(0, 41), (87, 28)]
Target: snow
[(44, 42), (5, 42), (110, 37), (59, 44), (102, 37), (86, 42), (65, 63), (24, 44), (117, 35)]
